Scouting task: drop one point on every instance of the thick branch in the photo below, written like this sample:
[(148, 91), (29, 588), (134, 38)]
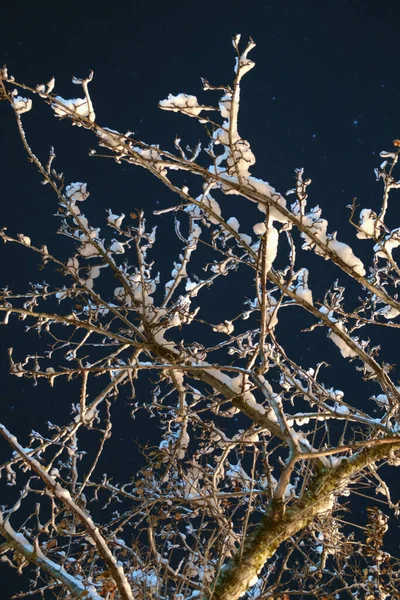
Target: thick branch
[(65, 497), (35, 555), (277, 526)]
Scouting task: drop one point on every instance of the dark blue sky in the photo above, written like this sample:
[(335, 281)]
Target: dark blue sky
[(325, 95)]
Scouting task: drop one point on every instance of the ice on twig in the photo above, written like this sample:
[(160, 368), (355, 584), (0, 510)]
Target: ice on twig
[(183, 103), (369, 224), (71, 107), (22, 105), (77, 192)]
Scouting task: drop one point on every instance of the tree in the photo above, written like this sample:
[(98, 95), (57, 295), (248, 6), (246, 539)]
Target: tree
[(245, 491)]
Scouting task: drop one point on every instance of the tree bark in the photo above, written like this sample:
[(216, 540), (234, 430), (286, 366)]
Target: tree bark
[(277, 525)]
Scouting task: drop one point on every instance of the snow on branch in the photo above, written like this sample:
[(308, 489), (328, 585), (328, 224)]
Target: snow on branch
[(211, 342)]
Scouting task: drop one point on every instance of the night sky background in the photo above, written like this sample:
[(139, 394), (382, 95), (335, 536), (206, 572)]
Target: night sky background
[(324, 95)]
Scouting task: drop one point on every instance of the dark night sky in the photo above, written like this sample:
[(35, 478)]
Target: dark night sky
[(324, 95)]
